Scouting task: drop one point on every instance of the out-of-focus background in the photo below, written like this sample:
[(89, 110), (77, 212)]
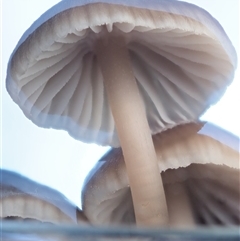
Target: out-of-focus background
[(54, 158)]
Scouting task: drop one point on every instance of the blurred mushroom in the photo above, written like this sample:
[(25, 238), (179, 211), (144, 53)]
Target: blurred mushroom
[(213, 191), (104, 70), (193, 166), (24, 199), (179, 206)]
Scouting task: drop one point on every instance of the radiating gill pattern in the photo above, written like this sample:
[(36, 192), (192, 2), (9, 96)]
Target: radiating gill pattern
[(25, 206), (180, 66)]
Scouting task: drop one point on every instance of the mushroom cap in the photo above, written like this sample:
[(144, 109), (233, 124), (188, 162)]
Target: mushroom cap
[(183, 155), (22, 198), (181, 57), (218, 133)]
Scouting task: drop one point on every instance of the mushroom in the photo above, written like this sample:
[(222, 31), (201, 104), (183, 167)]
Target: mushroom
[(24, 199), (212, 191), (191, 164), (179, 207), (116, 72)]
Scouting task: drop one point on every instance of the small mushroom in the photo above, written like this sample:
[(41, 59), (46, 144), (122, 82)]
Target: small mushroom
[(213, 191), (116, 72), (191, 164), (24, 199), (179, 207)]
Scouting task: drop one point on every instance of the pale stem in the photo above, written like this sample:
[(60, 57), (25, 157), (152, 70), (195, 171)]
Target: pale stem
[(179, 207), (133, 131)]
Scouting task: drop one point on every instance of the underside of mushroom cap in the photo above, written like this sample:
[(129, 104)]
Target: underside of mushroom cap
[(183, 155), (181, 58), (205, 185), (21, 197), (25, 206)]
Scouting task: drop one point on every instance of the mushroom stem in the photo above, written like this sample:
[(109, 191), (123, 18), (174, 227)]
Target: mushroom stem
[(179, 207), (134, 133)]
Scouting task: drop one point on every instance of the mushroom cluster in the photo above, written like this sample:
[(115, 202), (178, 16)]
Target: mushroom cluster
[(23, 199), (116, 72)]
